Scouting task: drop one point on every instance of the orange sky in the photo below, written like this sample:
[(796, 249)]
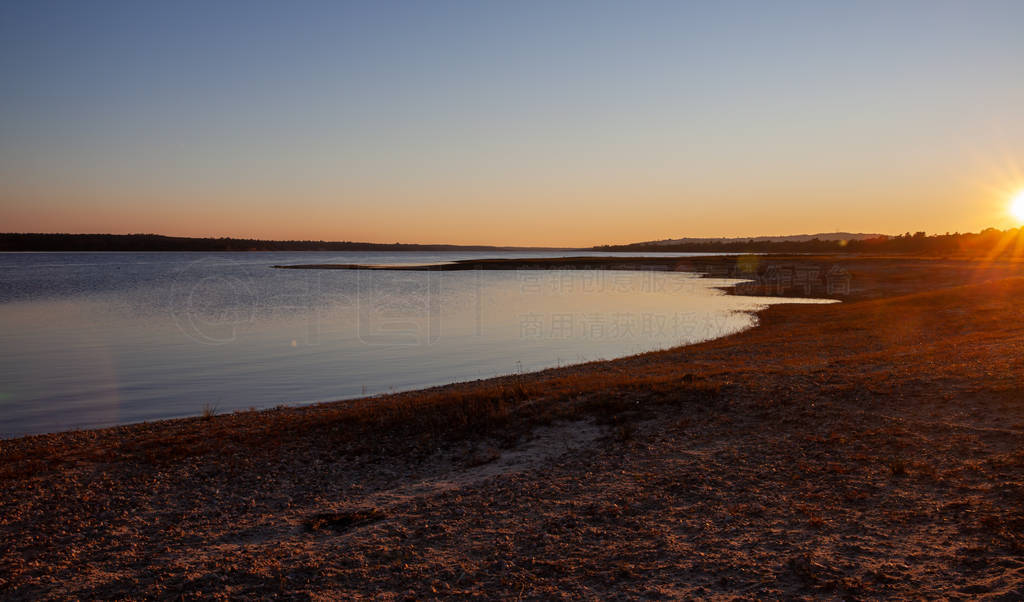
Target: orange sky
[(557, 214), (511, 124)]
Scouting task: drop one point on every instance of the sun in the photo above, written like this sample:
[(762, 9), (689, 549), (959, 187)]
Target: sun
[(1017, 206)]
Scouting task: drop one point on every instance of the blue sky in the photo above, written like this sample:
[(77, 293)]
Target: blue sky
[(509, 123)]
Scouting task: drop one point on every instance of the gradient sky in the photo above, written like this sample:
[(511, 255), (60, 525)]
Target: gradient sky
[(516, 122)]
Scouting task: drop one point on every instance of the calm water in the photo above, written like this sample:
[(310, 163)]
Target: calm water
[(96, 339)]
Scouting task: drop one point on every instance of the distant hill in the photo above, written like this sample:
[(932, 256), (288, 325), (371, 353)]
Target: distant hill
[(155, 242), (831, 236), (989, 243)]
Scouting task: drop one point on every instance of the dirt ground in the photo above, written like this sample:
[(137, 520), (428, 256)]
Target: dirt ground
[(856, 450)]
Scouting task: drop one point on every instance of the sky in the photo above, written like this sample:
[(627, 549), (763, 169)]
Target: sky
[(511, 123)]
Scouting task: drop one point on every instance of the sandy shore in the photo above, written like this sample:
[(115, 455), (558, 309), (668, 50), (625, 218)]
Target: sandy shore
[(863, 449)]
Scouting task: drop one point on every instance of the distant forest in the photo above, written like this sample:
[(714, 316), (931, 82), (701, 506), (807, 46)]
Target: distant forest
[(155, 242), (989, 242)]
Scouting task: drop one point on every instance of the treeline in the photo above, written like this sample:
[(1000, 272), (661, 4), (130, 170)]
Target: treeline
[(155, 242), (989, 242)]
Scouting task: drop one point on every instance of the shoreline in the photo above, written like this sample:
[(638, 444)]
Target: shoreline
[(715, 266), (856, 449), (721, 266)]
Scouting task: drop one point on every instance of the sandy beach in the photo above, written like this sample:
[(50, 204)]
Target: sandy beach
[(854, 450)]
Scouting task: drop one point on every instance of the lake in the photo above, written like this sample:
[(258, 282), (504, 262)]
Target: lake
[(98, 339)]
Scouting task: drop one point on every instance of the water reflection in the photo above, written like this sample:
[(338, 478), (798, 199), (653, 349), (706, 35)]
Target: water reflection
[(130, 337)]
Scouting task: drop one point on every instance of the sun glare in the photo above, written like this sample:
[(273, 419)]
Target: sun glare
[(1017, 207)]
